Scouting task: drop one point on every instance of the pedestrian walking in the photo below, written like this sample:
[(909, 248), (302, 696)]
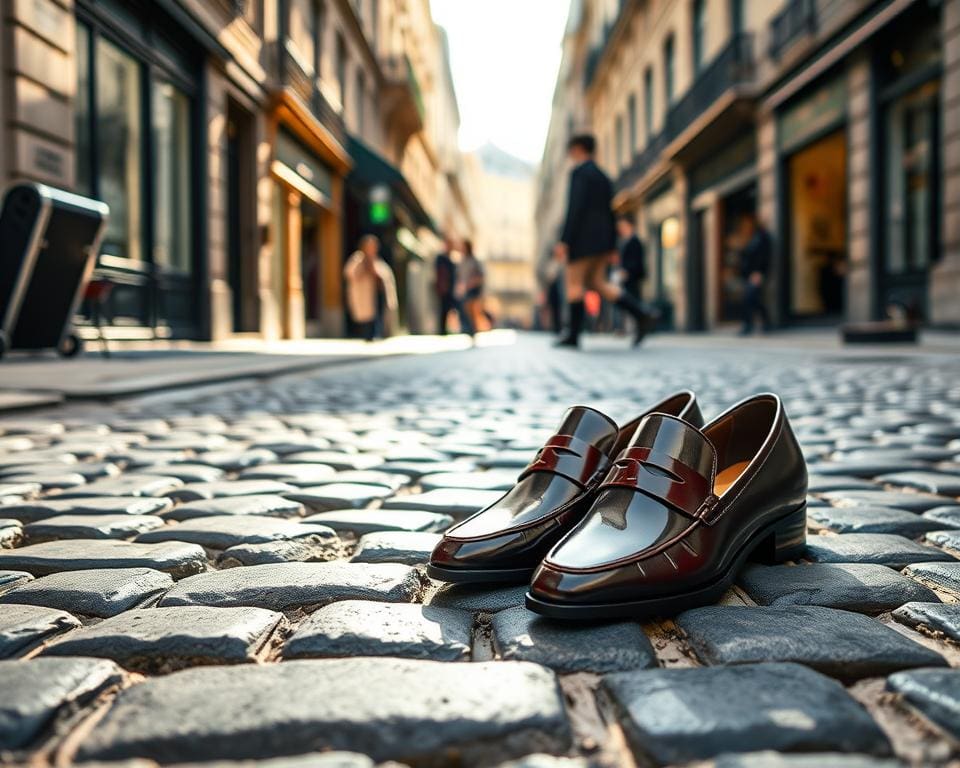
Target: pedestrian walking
[(588, 243), (633, 258), (754, 268), (470, 288), (448, 286), (370, 286)]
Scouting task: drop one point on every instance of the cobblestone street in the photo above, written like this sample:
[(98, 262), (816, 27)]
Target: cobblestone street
[(237, 574)]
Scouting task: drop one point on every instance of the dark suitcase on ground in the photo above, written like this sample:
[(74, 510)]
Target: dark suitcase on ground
[(49, 240)]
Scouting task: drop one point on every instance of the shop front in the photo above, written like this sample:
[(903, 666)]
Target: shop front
[(379, 201), (303, 287), (138, 148), (812, 141), (723, 192), (665, 262), (909, 95)]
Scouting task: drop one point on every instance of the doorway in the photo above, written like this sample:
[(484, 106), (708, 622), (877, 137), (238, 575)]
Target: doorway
[(311, 265), (817, 217), (733, 208), (241, 220)]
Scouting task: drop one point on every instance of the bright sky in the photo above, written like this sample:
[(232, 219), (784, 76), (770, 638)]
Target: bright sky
[(504, 55)]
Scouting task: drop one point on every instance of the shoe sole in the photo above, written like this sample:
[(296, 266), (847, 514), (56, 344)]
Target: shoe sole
[(782, 535), (480, 575)]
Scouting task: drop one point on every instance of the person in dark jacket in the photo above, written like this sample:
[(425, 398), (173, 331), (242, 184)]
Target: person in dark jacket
[(754, 269), (445, 284), (633, 258), (588, 242)]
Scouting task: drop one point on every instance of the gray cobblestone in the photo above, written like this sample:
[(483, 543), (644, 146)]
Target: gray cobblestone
[(287, 586), (367, 628), (35, 691), (838, 643), (100, 593), (864, 588), (163, 639), (521, 635), (936, 617), (390, 709), (24, 626), (880, 548), (90, 527), (360, 521), (677, 715), (934, 692), (176, 558), (395, 547)]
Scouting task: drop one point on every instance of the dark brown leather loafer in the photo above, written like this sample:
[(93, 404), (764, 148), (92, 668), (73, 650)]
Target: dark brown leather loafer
[(678, 514), (506, 541)]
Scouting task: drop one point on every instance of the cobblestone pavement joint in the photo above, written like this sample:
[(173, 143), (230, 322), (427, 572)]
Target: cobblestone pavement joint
[(237, 575)]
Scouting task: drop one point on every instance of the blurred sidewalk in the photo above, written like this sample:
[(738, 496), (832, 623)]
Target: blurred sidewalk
[(140, 367)]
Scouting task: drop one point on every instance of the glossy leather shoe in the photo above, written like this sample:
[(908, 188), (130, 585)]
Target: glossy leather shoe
[(678, 514), (506, 541)]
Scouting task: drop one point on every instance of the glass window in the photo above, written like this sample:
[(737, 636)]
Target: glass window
[(119, 142), (668, 73), (171, 137), (361, 96), (82, 111), (342, 69), (698, 33), (632, 125), (648, 102), (302, 33), (910, 180)]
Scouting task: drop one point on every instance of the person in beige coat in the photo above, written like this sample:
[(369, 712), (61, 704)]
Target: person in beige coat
[(368, 277)]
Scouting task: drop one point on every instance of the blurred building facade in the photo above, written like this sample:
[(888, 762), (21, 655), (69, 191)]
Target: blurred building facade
[(243, 147), (502, 189), (836, 123)]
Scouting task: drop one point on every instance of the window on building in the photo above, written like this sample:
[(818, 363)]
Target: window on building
[(631, 126), (342, 68), (360, 96), (618, 159), (171, 178), (119, 147), (698, 34), (302, 34), (668, 71), (134, 151), (648, 103)]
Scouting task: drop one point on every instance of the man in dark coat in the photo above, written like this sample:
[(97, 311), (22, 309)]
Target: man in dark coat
[(633, 258), (589, 240), (445, 282), (754, 268)]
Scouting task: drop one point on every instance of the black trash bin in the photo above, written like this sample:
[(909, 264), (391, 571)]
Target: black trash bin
[(49, 240)]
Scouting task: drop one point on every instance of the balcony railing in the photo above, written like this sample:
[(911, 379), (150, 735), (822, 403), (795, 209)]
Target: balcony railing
[(798, 17), (398, 70), (732, 67)]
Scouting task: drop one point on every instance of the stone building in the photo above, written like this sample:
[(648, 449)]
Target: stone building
[(837, 123), (502, 189), (242, 145)]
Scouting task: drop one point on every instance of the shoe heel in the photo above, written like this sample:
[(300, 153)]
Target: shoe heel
[(787, 540)]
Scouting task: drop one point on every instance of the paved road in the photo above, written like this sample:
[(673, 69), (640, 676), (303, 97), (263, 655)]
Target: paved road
[(236, 574)]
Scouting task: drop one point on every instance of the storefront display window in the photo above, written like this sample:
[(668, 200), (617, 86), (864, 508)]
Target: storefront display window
[(171, 178), (911, 130), (119, 148)]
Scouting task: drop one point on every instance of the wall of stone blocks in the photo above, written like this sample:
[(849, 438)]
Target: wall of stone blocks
[(945, 277)]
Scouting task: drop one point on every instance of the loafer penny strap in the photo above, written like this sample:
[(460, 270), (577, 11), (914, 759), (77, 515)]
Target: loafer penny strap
[(570, 457), (664, 478)]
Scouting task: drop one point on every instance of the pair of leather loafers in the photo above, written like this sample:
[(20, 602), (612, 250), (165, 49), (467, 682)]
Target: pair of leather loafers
[(647, 519)]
